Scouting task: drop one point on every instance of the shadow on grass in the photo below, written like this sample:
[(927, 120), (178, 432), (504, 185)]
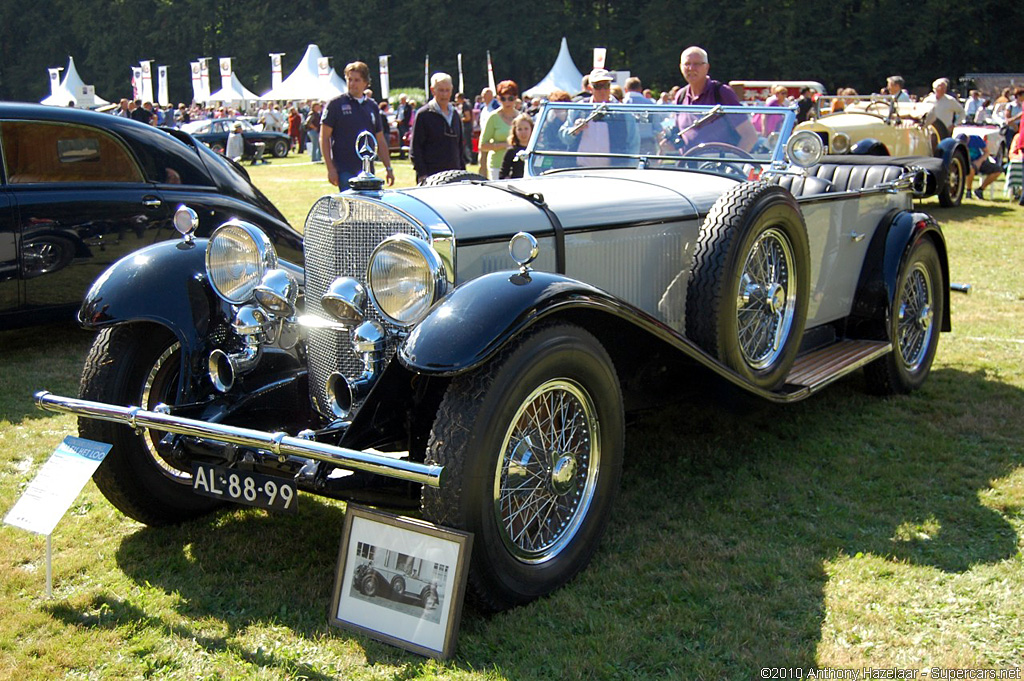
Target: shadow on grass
[(971, 209), (717, 557)]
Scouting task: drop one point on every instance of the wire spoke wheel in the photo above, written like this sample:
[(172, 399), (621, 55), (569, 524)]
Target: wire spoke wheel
[(547, 475), (915, 324), (766, 303)]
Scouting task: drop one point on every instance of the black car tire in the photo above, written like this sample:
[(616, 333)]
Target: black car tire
[(398, 585), (952, 192), (750, 221), (370, 584), (46, 254), (428, 597), (280, 149), (451, 177), (914, 324), (493, 434), (138, 365)]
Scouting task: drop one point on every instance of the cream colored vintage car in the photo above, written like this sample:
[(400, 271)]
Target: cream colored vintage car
[(878, 125)]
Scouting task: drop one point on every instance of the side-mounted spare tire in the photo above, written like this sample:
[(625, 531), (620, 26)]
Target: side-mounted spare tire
[(451, 177), (746, 300)]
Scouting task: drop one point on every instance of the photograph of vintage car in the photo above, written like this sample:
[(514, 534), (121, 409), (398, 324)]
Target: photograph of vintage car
[(470, 348), (879, 125), (213, 132), (80, 190), (399, 577)]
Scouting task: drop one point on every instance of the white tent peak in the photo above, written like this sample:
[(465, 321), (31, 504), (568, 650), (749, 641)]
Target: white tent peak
[(563, 75), (232, 92), (305, 82), (72, 88)]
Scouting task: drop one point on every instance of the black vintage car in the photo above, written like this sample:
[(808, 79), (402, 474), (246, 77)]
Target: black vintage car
[(80, 190), (214, 134)]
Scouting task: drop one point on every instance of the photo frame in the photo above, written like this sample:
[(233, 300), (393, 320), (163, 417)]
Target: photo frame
[(401, 581)]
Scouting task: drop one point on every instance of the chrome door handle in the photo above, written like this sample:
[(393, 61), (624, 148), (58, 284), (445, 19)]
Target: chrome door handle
[(151, 202), (855, 237)]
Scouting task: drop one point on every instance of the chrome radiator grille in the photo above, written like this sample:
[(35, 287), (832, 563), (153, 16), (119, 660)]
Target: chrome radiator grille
[(340, 235)]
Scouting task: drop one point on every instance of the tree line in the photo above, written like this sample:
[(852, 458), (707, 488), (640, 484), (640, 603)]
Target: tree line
[(844, 43)]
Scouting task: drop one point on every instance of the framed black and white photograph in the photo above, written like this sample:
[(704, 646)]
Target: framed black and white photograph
[(401, 580)]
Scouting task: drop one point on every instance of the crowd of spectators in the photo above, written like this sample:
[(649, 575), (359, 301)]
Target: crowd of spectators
[(490, 129)]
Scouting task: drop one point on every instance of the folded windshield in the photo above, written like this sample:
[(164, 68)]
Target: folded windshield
[(601, 135)]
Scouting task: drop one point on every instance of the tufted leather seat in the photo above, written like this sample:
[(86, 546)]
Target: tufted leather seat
[(845, 177), (803, 185)]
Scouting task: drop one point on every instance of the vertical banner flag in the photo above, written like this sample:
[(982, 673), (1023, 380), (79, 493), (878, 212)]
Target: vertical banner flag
[(197, 83), (225, 72), (204, 76), (490, 74), (462, 85), (599, 55), (136, 82), (55, 79), (275, 68), (161, 86), (426, 76), (323, 68), (385, 77), (147, 80)]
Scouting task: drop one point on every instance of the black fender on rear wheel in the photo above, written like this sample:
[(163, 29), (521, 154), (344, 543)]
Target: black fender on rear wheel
[(532, 445), (914, 323), (952, 191), (138, 365), (746, 300), (451, 177)]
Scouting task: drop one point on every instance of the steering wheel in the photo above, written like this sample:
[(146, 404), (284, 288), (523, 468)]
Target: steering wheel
[(722, 150)]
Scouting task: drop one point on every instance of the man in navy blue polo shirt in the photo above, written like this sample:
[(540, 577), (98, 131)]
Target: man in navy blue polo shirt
[(343, 119)]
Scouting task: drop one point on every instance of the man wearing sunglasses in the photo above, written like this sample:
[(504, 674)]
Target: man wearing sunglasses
[(437, 132), (596, 132)]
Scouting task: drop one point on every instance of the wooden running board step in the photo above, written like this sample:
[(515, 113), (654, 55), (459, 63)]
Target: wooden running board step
[(820, 367)]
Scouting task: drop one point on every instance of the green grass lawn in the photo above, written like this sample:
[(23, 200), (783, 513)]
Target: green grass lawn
[(843, 531)]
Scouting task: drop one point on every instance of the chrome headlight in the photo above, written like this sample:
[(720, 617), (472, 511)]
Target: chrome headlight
[(840, 143), (804, 148), (237, 257), (406, 277)]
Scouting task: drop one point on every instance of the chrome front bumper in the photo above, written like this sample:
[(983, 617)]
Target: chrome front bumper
[(279, 444)]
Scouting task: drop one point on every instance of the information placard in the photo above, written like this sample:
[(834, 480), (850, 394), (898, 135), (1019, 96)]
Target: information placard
[(57, 485)]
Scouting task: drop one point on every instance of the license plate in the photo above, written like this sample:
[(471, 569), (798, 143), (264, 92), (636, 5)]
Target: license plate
[(244, 487)]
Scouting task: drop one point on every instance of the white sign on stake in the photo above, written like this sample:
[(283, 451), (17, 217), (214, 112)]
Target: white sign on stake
[(57, 485)]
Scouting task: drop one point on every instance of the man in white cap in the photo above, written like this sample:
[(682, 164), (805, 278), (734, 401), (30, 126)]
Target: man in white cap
[(602, 132)]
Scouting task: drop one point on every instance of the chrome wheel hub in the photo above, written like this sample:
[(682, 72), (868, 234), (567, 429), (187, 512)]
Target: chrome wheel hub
[(547, 475)]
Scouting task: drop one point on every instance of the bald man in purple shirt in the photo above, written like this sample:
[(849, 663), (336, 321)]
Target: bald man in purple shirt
[(733, 129)]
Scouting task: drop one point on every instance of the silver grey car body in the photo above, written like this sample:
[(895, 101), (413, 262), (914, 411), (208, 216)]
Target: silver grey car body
[(469, 347)]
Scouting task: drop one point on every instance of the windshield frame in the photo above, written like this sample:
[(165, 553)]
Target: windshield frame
[(776, 160)]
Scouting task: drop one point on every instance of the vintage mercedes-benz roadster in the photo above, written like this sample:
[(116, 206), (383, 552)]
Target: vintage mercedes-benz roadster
[(470, 348)]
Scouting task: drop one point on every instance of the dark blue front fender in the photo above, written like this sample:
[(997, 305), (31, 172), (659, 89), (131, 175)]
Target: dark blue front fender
[(479, 317), (165, 284)]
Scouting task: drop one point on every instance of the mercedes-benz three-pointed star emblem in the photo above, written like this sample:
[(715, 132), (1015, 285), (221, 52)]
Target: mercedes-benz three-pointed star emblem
[(366, 146)]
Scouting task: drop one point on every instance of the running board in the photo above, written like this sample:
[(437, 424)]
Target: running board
[(818, 368)]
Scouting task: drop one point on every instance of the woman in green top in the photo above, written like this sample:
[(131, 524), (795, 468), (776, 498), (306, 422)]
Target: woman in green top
[(494, 134)]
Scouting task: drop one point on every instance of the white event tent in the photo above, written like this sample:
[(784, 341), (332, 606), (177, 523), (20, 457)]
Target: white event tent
[(306, 83), (73, 89), (232, 91), (563, 76)]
